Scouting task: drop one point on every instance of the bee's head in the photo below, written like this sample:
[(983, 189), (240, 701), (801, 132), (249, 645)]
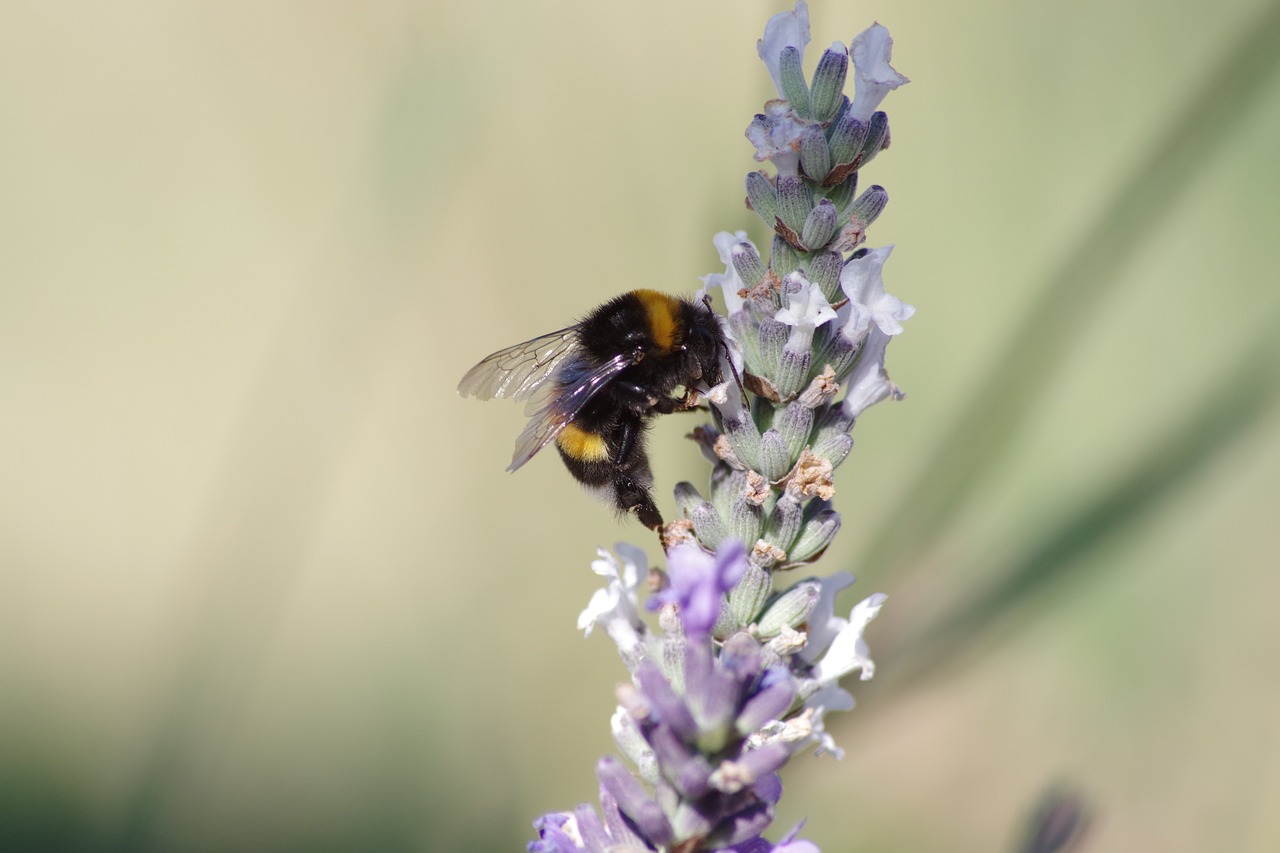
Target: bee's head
[(703, 344)]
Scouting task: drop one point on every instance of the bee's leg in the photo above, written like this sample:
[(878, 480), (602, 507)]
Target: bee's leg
[(688, 403), (648, 513), (638, 399), (631, 488)]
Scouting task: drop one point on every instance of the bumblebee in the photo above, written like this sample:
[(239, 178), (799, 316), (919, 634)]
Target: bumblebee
[(594, 387)]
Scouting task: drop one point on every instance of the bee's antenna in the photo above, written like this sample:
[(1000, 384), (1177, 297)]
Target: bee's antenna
[(734, 370)]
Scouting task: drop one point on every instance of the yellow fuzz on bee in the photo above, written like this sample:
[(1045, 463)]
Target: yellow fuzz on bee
[(662, 311), (582, 445)]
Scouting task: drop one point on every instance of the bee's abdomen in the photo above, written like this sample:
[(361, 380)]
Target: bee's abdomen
[(582, 445), (620, 477)]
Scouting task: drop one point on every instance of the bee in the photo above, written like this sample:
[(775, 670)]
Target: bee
[(594, 387)]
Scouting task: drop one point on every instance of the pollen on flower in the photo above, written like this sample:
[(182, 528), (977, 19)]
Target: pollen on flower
[(766, 289), (723, 448), (821, 390), (812, 477), (757, 490), (798, 728), (766, 554), (851, 236), (788, 642), (679, 532)]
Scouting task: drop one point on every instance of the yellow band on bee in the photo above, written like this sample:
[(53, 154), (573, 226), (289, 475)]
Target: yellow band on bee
[(663, 313), (577, 443)]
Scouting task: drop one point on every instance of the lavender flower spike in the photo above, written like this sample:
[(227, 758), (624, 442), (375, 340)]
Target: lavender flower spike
[(743, 664)]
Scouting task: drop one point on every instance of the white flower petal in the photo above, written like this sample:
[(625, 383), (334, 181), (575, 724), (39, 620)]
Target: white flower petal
[(807, 307), (831, 697), (823, 622), (868, 384), (785, 29), (728, 281), (616, 607), (848, 651), (776, 135), (862, 279), (873, 76), (603, 602)]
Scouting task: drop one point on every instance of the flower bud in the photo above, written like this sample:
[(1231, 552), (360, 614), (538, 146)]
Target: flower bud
[(795, 201), (820, 226), (746, 519), (834, 449), (877, 138), (815, 154), (749, 822), (726, 485), (744, 332), (633, 745), (866, 207), (775, 461), (815, 537), (847, 140), (828, 82), (669, 708), (772, 336), (795, 425), (749, 596), (784, 521), (794, 283), (687, 498), (645, 814), (794, 88), (747, 263), (770, 703), (791, 608), (839, 353), (762, 196), (783, 259), (708, 526), (744, 438), (823, 269), (793, 366)]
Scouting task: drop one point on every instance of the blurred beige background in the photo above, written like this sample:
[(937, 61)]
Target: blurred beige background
[(264, 584)]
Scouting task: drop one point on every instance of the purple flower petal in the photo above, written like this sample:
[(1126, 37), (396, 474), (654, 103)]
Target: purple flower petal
[(698, 583)]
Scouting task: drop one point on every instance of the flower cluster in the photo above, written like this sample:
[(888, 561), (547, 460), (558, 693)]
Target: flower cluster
[(739, 675)]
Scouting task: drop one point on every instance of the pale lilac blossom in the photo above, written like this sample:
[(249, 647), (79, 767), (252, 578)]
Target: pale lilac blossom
[(807, 308), (873, 76), (848, 651), (862, 281), (698, 583), (728, 281), (785, 29)]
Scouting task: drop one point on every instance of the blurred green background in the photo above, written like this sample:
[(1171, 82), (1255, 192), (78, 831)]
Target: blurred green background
[(265, 585)]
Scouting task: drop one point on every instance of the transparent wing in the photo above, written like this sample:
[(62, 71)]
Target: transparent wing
[(561, 405), (519, 370)]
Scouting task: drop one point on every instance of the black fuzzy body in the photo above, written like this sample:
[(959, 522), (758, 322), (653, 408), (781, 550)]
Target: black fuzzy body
[(667, 343)]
